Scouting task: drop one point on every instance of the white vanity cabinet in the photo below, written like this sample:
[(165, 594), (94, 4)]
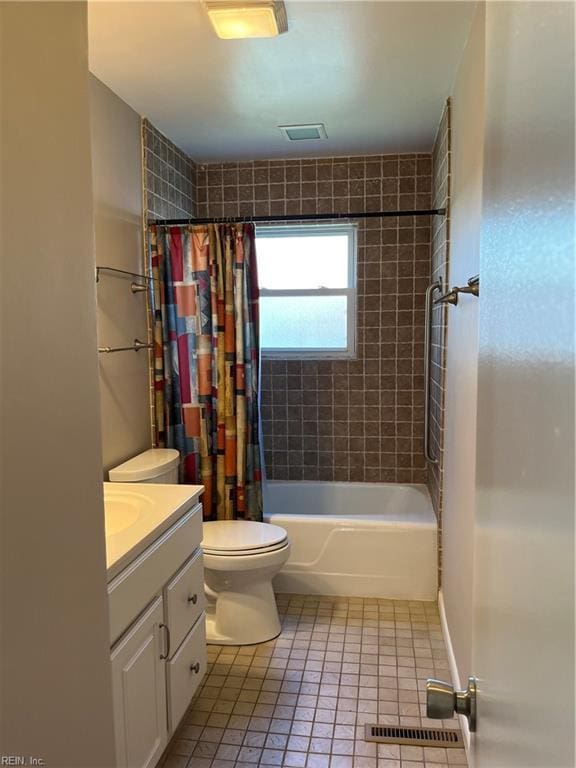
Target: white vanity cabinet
[(159, 640)]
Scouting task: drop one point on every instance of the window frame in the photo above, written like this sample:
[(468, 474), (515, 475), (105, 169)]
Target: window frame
[(311, 230)]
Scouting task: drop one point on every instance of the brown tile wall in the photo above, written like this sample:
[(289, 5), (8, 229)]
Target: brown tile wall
[(169, 177), (169, 192), (347, 420), (440, 271)]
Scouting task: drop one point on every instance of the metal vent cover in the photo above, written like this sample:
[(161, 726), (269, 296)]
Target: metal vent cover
[(308, 132), (421, 737)]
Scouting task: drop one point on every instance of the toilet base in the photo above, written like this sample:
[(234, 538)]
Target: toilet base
[(240, 602), (213, 638), (244, 617)]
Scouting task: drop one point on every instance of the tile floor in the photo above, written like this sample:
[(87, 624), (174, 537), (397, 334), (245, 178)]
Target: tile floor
[(301, 700)]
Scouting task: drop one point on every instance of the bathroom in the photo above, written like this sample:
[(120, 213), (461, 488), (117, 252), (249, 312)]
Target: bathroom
[(411, 453)]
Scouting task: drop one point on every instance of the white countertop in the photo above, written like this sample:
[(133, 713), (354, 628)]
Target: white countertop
[(137, 514)]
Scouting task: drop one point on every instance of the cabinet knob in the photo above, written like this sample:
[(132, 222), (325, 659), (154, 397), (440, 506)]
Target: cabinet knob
[(195, 668), (193, 599)]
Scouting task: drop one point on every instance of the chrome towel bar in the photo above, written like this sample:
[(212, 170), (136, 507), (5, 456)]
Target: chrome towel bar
[(121, 273), (136, 347), (451, 296), (134, 286)]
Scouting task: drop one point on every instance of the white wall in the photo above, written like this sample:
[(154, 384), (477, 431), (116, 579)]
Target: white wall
[(467, 110), (524, 555), (117, 173), (56, 689)]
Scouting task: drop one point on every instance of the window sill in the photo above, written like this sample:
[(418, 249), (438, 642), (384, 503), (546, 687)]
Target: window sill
[(298, 355)]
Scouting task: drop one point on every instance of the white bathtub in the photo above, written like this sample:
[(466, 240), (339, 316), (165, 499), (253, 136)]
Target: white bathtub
[(362, 539)]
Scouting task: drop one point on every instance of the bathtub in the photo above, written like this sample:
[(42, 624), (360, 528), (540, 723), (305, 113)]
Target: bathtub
[(360, 539)]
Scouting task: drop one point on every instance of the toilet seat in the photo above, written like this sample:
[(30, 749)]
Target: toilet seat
[(235, 538)]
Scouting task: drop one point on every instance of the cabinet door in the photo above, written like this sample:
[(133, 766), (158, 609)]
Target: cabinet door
[(139, 690)]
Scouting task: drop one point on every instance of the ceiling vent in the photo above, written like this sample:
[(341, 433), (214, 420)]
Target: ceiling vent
[(309, 132)]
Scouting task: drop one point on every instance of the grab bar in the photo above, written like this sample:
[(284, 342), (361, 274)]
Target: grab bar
[(437, 286)]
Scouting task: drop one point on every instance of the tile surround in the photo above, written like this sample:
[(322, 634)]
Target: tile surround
[(169, 177), (302, 700), (357, 420), (307, 186), (169, 192), (440, 271)]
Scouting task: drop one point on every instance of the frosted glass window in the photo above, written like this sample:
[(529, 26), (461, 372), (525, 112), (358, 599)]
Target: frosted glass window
[(304, 322), (307, 277)]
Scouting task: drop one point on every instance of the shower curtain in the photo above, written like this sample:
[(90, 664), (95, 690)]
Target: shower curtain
[(206, 361)]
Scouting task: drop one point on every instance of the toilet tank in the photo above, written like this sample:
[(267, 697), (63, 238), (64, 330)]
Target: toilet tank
[(157, 465)]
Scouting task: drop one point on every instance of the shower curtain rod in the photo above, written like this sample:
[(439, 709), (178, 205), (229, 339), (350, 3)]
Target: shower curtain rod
[(297, 217)]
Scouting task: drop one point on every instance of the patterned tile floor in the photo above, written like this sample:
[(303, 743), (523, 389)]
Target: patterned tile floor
[(301, 700)]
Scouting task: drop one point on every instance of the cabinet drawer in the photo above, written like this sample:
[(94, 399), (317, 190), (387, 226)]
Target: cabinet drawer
[(185, 672), (184, 600)]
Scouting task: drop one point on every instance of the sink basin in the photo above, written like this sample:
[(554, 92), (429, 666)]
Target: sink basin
[(122, 510), (136, 514)]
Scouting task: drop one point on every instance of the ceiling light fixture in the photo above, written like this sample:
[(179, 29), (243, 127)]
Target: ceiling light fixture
[(238, 19)]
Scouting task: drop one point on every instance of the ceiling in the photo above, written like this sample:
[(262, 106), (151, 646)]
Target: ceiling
[(375, 73)]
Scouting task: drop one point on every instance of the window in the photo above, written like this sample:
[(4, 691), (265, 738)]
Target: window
[(307, 277)]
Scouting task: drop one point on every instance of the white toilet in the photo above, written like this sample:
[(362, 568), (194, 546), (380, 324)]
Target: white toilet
[(156, 465), (240, 559)]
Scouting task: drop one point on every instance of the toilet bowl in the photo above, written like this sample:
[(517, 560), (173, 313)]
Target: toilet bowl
[(240, 559)]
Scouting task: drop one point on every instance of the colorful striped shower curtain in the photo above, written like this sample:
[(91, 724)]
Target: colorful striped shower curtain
[(205, 305)]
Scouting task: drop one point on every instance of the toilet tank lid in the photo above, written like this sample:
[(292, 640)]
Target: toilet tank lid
[(145, 466)]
